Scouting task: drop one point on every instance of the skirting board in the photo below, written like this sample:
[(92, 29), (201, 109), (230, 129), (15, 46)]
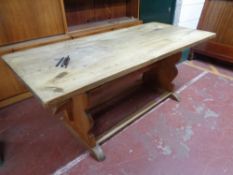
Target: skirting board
[(14, 99)]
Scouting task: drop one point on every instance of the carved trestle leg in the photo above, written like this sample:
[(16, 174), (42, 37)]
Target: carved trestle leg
[(80, 123), (162, 74)]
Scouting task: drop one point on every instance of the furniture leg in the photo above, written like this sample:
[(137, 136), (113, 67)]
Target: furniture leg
[(81, 123), (162, 74), (98, 153), (175, 97)]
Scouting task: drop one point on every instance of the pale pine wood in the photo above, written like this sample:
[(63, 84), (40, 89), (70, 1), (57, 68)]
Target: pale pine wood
[(131, 118), (77, 109), (11, 86), (80, 121), (98, 59)]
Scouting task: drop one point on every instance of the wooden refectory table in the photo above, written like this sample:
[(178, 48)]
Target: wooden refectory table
[(152, 48)]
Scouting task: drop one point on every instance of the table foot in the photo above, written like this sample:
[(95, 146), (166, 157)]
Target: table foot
[(98, 153), (175, 97)]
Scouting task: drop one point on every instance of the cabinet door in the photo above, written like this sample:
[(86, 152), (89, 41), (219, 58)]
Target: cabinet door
[(217, 17), (22, 20), (157, 10), (9, 85)]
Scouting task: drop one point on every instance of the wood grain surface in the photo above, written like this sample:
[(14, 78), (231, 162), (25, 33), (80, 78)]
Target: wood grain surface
[(98, 59), (83, 12), (24, 20), (217, 17)]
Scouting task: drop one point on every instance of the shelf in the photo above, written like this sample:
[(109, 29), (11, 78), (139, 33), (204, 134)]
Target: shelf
[(124, 111), (94, 16), (133, 117), (103, 23), (102, 26)]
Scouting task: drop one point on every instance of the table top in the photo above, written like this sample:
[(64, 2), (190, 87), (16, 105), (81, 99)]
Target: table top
[(97, 59)]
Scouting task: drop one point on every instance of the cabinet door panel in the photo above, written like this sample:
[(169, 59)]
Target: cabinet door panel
[(9, 85), (28, 19), (218, 17)]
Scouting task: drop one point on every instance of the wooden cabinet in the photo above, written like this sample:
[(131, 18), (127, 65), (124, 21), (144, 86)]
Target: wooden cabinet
[(27, 23), (9, 84), (217, 16), (89, 11), (90, 16), (26, 19)]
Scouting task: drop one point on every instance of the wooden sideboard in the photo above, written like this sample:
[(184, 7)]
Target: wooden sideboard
[(26, 24), (217, 16)]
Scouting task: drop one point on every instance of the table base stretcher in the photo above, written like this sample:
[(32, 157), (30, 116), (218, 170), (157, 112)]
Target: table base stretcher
[(79, 120)]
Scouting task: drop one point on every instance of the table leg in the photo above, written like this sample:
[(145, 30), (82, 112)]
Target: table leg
[(162, 74), (81, 123), (175, 97)]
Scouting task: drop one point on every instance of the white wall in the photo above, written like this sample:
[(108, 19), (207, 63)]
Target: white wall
[(188, 12)]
